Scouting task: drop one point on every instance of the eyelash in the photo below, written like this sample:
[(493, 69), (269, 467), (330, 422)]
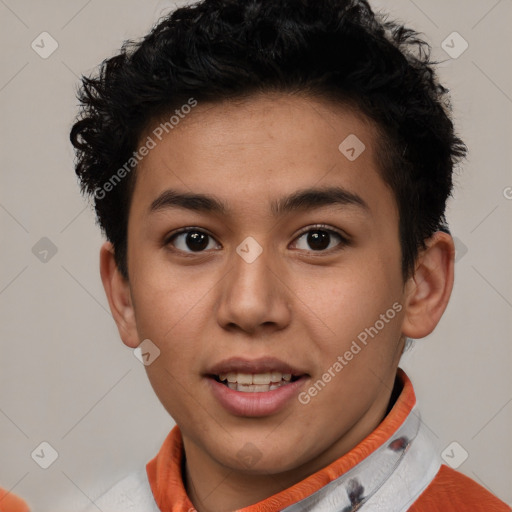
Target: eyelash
[(344, 241)]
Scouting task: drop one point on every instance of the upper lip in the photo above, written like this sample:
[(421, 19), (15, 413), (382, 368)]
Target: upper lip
[(261, 365)]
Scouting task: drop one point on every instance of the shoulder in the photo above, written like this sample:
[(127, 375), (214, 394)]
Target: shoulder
[(131, 494), (451, 491), (11, 503)]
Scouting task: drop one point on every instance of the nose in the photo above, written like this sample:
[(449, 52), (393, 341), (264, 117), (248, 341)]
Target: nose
[(254, 296)]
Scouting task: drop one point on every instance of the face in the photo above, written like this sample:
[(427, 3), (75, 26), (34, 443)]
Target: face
[(284, 275)]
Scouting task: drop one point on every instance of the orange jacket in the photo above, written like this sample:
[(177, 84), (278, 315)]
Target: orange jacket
[(446, 490), (11, 503), (401, 469)]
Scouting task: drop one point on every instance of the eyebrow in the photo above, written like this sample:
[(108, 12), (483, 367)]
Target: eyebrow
[(300, 200)]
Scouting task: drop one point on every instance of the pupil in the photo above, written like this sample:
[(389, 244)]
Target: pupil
[(197, 241), (318, 240)]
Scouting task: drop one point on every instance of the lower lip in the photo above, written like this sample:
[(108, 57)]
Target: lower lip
[(254, 404)]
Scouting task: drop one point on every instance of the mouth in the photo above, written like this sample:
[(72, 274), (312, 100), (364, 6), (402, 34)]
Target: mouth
[(255, 382), (257, 387)]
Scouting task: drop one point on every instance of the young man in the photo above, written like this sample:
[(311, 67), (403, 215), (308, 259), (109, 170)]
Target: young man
[(271, 177)]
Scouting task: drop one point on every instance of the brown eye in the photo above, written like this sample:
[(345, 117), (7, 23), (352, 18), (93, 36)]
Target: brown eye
[(319, 239), (191, 240)]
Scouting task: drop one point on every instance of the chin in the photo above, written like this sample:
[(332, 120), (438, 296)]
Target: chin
[(254, 460)]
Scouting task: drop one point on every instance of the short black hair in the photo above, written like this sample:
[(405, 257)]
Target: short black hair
[(216, 50)]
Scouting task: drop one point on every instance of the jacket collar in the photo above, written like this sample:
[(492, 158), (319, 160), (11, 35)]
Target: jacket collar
[(354, 477)]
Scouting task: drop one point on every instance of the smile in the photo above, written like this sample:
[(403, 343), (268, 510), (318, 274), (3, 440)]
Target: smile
[(255, 382), (254, 387)]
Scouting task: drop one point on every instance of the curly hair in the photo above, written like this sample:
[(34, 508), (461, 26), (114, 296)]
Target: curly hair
[(225, 49)]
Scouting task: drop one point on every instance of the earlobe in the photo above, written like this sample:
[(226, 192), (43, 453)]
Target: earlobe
[(117, 289), (428, 290)]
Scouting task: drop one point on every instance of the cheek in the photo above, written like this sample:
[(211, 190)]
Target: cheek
[(348, 306), (347, 298), (171, 309), (169, 382), (166, 298)]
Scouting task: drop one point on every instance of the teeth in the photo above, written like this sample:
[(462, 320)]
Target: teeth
[(276, 376), (255, 388), (244, 378), (255, 383), (262, 378), (255, 378), (261, 388)]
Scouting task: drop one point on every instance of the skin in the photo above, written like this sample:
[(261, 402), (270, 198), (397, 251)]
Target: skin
[(300, 305)]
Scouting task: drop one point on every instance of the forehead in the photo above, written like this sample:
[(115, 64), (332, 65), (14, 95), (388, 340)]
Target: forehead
[(253, 151)]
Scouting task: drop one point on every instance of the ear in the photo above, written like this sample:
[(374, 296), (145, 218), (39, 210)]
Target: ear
[(119, 298), (429, 289)]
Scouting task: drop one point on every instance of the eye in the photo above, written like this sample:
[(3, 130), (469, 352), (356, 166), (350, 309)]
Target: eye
[(319, 238), (190, 240)]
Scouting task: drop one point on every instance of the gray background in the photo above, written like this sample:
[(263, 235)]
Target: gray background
[(66, 378)]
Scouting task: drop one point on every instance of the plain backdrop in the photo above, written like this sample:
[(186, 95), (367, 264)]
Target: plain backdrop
[(65, 377)]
